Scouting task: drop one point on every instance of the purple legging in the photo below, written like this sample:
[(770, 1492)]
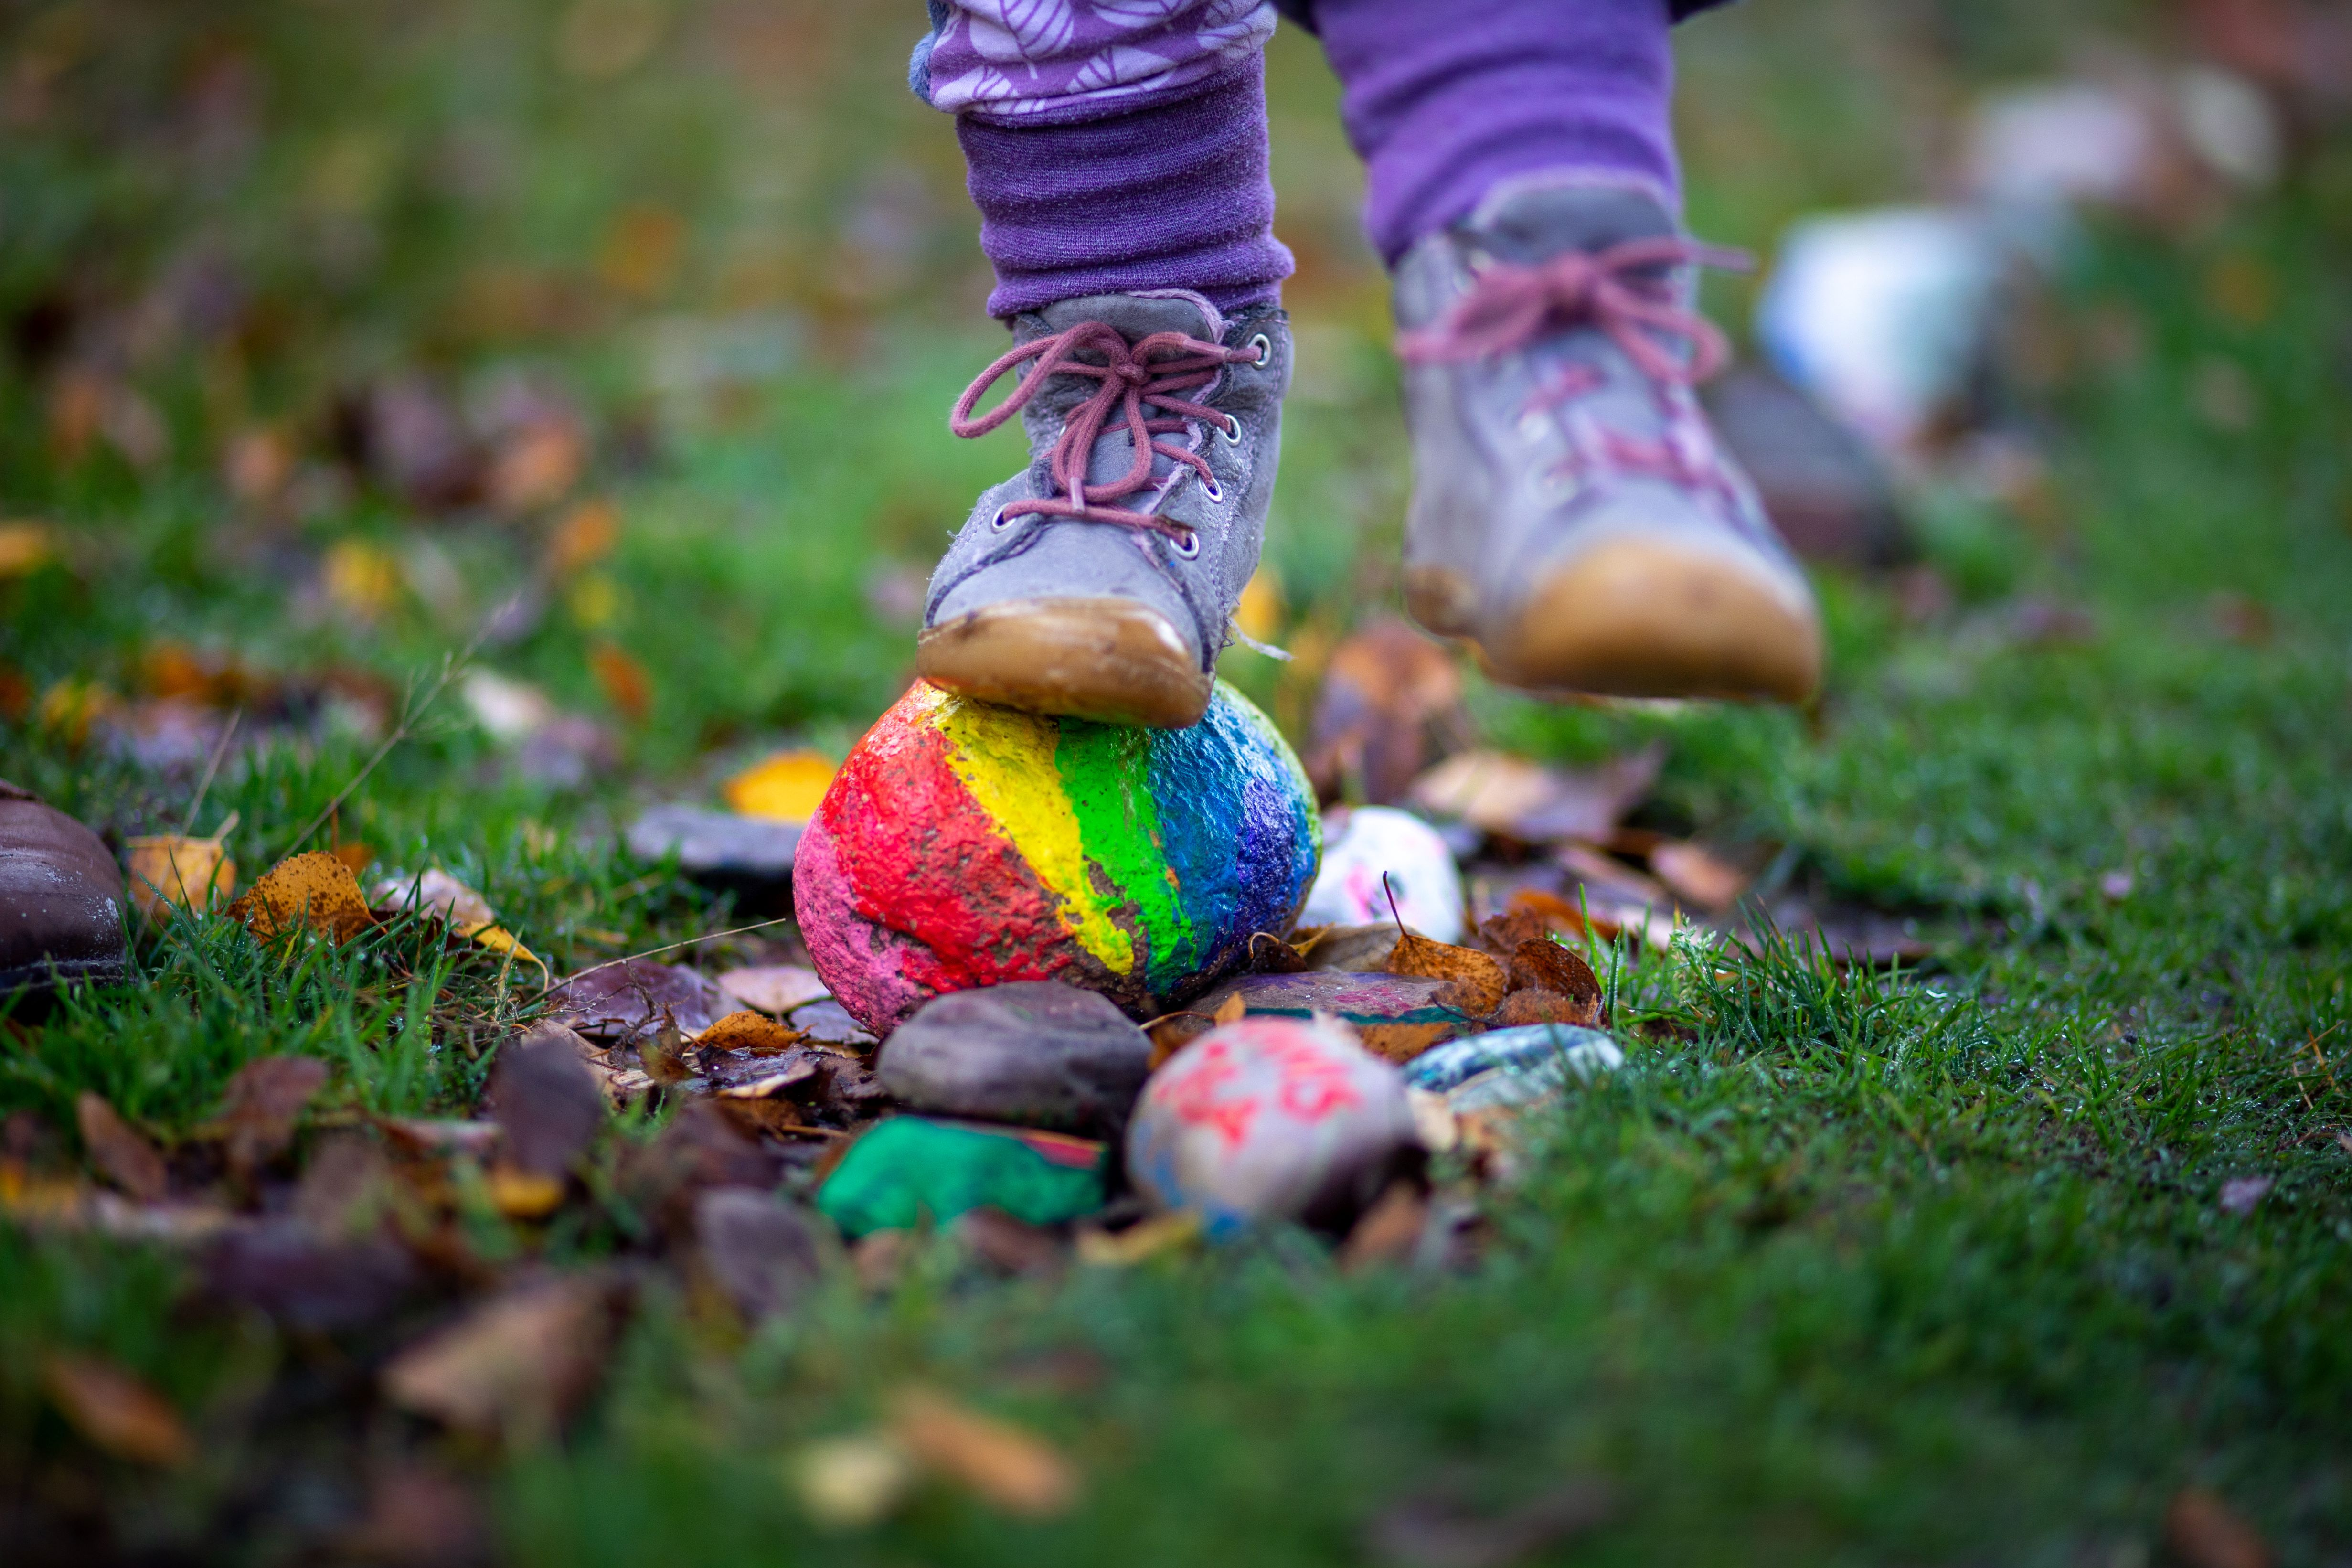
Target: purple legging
[(1118, 145)]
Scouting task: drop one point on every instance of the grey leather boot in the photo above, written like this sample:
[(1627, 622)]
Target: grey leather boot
[(1572, 515), (1101, 580)]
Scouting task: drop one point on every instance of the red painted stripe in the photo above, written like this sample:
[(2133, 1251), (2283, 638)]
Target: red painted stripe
[(922, 858)]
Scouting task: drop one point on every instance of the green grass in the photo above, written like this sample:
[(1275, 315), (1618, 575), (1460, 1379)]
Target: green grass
[(1847, 1267)]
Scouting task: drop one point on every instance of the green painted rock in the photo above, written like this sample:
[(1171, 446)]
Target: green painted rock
[(907, 1169)]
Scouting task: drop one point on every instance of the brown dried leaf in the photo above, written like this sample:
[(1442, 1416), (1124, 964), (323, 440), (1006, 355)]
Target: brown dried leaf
[(2203, 1531), (664, 1054), (116, 1411), (748, 1031), (1545, 966), (1534, 1006), (762, 1254), (315, 891), (1528, 801), (774, 988), (546, 1102), (1011, 1468), (1481, 982), (121, 1155), (1698, 876), (1011, 1246), (1384, 689), (1231, 1010), (1400, 1042), (261, 1105), (514, 1366), (1389, 1231)]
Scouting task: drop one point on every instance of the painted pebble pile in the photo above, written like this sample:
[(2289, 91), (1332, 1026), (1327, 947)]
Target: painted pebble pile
[(1064, 967)]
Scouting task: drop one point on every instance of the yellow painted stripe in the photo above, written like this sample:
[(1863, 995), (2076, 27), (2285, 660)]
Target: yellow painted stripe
[(1006, 760)]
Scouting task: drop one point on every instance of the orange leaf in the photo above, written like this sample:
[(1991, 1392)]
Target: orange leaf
[(315, 891), (116, 1411), (1009, 1468), (626, 684), (1481, 981)]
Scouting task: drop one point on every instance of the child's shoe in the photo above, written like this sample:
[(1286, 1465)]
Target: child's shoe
[(1101, 580), (1572, 514)]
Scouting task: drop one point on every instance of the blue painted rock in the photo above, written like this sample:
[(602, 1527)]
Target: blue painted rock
[(963, 845), (1272, 1118), (1547, 1055)]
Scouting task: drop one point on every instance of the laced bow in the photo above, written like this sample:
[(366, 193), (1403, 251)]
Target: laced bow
[(1625, 290), (1156, 370)]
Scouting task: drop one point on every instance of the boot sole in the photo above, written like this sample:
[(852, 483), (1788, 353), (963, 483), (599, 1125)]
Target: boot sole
[(1108, 660), (1645, 617)]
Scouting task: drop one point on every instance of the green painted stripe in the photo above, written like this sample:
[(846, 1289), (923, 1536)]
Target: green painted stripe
[(1105, 773)]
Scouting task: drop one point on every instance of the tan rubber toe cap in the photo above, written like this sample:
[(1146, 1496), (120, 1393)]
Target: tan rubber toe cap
[(1665, 616), (1110, 659)]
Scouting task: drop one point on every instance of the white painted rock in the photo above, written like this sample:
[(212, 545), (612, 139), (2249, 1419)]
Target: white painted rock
[(1272, 1118), (1373, 839)]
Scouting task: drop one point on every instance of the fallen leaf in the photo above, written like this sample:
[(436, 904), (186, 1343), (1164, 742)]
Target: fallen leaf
[(1009, 1468), (1388, 1230), (1546, 965), (762, 1253), (1144, 1239), (664, 1054), (126, 1159), (586, 535), (314, 892), (417, 1514), (1534, 1006), (1698, 876), (1011, 1245), (623, 680), (747, 1031), (308, 1280), (26, 547), (1605, 881), (848, 1482), (261, 1104), (116, 1411), (1400, 1042), (774, 988), (514, 1366), (1480, 982), (1231, 1010), (169, 871), (546, 1102), (1436, 1533), (1384, 690), (619, 1002), (1259, 614), (363, 581), (2203, 1531), (433, 893), (2240, 1195), (536, 465), (1517, 798), (524, 1195), (787, 786)]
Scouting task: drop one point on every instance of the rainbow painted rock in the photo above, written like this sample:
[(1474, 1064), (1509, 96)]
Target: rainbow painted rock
[(964, 844)]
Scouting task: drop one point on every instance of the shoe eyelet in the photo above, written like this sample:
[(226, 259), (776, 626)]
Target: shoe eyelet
[(1188, 547), (1264, 346), (999, 522), (1230, 432), (1214, 491)]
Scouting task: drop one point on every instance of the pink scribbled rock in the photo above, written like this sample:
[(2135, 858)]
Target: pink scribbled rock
[(1272, 1118)]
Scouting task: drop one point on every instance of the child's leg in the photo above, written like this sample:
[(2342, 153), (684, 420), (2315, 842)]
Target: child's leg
[(1571, 513), (1116, 152)]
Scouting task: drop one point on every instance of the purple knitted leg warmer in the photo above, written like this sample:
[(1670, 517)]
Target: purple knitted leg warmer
[(1445, 99)]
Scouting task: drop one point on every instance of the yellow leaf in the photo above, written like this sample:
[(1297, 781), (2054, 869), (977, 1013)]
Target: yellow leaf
[(24, 547), (787, 786), (168, 871), (1259, 614), (1009, 1468), (315, 890), (362, 579), (116, 1411)]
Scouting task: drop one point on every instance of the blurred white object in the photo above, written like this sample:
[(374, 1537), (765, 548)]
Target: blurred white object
[(1882, 315), (2230, 125), (2060, 143), (1359, 845)]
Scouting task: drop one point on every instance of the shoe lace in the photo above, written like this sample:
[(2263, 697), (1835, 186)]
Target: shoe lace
[(1154, 370), (1625, 290)]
